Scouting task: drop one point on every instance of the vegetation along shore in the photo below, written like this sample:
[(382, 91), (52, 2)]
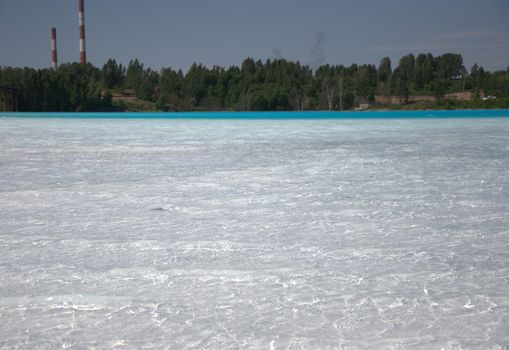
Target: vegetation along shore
[(417, 82)]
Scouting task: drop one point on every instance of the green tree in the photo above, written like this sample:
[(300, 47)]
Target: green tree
[(406, 67), (384, 70), (449, 66), (113, 74), (134, 74)]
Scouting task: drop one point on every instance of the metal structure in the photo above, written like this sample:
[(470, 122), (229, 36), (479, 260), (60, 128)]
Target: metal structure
[(81, 17), (8, 99), (54, 57)]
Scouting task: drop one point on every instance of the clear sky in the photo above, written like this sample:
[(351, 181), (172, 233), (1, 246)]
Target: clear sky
[(176, 33)]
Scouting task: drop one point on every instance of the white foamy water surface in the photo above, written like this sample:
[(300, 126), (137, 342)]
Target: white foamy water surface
[(254, 234)]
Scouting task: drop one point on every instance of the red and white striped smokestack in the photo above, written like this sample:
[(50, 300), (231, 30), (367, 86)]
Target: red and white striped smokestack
[(54, 59), (81, 16)]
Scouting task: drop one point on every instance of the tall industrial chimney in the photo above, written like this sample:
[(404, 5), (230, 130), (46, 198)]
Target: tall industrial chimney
[(54, 59), (81, 16)]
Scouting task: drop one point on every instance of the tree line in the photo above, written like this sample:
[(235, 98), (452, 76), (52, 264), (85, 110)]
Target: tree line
[(276, 85)]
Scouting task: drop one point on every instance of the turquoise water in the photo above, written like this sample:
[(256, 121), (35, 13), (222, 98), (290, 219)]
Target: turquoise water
[(499, 113)]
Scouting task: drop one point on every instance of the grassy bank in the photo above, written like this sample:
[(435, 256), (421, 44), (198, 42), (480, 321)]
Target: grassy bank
[(499, 103)]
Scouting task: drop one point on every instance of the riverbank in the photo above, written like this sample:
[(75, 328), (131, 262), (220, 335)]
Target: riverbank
[(501, 103)]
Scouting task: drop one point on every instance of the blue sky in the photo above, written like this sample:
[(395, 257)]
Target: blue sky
[(176, 33)]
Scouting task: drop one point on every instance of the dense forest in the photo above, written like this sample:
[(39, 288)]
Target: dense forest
[(276, 85)]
